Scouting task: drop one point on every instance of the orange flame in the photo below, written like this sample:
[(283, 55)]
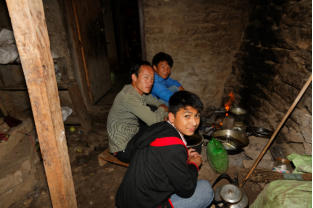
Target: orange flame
[(230, 101), (227, 105)]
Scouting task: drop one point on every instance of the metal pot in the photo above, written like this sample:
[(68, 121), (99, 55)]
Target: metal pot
[(229, 195), (242, 203), (231, 139), (239, 126), (195, 141), (238, 113), (233, 197)]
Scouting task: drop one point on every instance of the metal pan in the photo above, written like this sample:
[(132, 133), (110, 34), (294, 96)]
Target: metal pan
[(231, 139), (258, 132)]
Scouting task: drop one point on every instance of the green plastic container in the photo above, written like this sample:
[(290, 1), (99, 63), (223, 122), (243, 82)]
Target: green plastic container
[(217, 156)]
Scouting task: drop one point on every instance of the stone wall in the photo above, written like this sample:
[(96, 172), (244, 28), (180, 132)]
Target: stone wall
[(272, 66), (21, 171), (202, 37)]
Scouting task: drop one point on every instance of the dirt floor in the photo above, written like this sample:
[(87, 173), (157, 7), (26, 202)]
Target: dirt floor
[(96, 186)]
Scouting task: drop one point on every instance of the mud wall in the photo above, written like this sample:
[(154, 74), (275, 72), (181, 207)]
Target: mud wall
[(201, 36)]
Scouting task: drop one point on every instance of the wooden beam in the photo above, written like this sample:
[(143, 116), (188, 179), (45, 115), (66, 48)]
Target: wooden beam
[(31, 35), (79, 106), (142, 30)]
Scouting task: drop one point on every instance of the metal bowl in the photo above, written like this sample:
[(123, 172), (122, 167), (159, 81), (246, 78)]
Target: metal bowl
[(238, 111)]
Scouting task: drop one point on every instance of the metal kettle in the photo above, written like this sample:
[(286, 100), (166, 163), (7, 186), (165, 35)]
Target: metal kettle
[(229, 195)]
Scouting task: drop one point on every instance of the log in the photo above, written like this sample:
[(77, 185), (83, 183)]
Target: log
[(32, 40)]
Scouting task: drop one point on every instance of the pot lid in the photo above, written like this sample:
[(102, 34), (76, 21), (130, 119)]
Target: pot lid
[(231, 193)]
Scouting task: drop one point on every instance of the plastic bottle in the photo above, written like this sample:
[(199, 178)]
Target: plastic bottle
[(217, 156)]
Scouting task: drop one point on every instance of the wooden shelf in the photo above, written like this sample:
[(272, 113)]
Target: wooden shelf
[(64, 85), (12, 78)]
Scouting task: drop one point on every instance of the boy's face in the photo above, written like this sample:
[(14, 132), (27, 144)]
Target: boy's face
[(144, 81), (162, 69), (186, 120)]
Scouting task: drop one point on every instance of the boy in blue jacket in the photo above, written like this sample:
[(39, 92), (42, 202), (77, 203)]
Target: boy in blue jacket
[(164, 86), (162, 171)]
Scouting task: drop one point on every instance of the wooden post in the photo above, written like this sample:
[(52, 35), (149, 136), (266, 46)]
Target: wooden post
[(292, 107), (31, 35)]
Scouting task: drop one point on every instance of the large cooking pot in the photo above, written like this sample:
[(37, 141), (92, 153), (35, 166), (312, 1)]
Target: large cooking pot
[(232, 140)]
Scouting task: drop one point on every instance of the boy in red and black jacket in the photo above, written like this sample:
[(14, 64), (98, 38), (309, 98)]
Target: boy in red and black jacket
[(162, 171)]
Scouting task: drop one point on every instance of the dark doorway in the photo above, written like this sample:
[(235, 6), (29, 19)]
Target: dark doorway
[(127, 27), (127, 32)]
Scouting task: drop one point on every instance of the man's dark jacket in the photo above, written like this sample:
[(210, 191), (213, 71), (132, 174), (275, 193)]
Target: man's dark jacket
[(158, 169)]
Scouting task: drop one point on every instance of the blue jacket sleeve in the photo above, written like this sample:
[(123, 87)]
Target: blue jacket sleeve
[(171, 82), (161, 88), (161, 91)]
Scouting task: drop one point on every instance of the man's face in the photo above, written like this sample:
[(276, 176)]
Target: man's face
[(143, 83), (186, 120), (162, 69)]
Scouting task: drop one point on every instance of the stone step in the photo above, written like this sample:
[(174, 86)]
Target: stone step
[(18, 167), (15, 134)]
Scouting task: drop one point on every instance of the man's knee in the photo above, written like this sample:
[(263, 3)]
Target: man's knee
[(205, 191)]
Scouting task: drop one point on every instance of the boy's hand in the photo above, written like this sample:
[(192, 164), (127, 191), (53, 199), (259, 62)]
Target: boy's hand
[(194, 157)]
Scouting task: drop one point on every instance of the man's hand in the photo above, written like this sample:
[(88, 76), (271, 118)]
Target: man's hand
[(181, 88), (194, 157), (164, 106)]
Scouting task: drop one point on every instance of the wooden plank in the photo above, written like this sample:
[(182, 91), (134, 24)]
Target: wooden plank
[(106, 157), (142, 30), (75, 49), (92, 40), (31, 35), (79, 106), (82, 50)]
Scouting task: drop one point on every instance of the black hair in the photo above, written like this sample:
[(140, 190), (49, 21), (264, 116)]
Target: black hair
[(161, 56), (135, 67), (182, 99)]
